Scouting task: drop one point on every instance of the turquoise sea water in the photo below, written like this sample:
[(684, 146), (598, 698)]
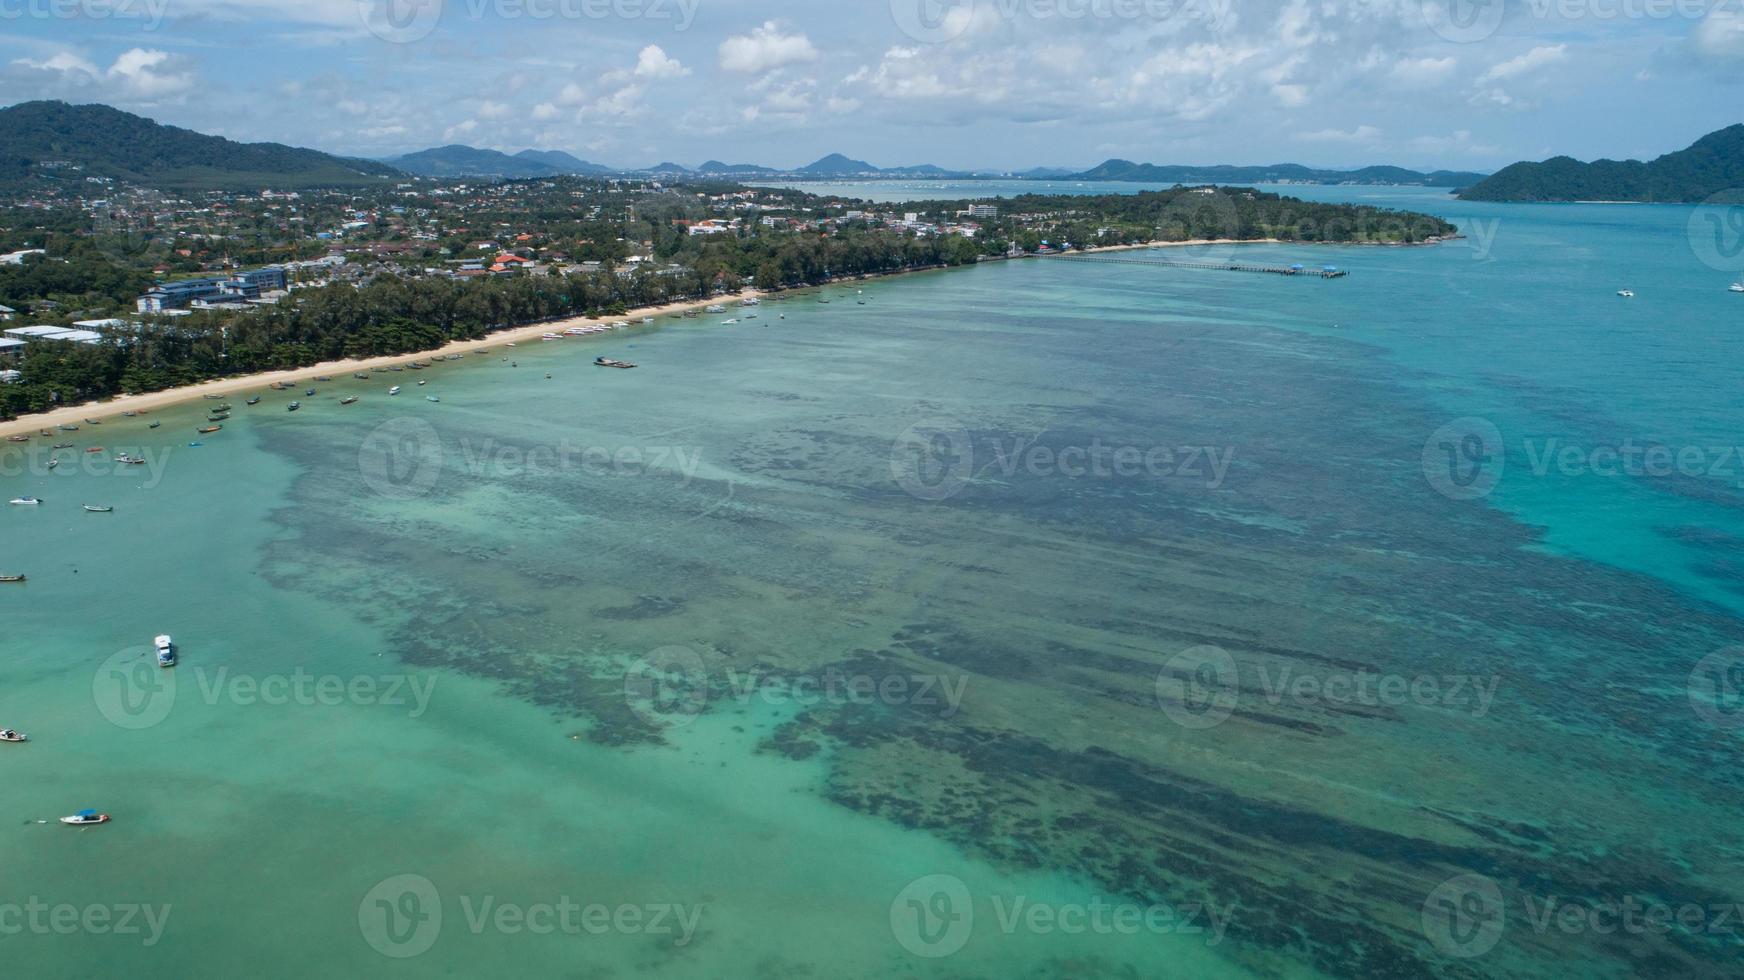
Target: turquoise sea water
[(992, 626)]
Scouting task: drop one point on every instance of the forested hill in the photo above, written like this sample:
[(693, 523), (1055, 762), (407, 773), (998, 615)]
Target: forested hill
[(55, 141), (1714, 165)]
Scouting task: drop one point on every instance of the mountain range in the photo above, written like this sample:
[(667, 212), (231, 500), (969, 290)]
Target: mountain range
[(1275, 174), (58, 141), (1712, 167), (456, 160), (55, 140)]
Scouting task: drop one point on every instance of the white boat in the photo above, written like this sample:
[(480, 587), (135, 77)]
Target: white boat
[(431, 398), (550, 336), (8, 735), (1737, 287), (24, 501), (84, 817), (1626, 293), (725, 322), (394, 390), (166, 651), (716, 308)]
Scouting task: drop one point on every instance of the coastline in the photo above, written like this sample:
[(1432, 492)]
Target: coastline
[(226, 387)]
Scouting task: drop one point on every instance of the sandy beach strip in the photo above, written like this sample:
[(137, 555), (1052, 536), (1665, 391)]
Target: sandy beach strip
[(228, 387)]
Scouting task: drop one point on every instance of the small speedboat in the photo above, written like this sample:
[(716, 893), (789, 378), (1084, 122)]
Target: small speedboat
[(394, 390), (128, 459), (129, 415), (25, 501), (361, 376), (208, 430), (11, 578), (348, 401), (221, 417), (85, 817), (156, 424), (609, 363), (212, 397), (8, 735), (93, 450), (309, 394), (94, 509), (431, 398), (166, 651), (17, 438), (69, 428), (293, 406), (254, 401), (92, 422), (422, 383), (1737, 287), (1626, 293), (52, 462), (63, 445)]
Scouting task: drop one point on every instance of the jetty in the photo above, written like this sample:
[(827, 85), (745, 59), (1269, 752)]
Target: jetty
[(1324, 272)]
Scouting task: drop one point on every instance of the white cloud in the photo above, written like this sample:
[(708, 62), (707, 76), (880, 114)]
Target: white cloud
[(1720, 35), (1361, 134), (545, 112), (1539, 57), (139, 76), (654, 63), (765, 49), (1420, 72), (494, 110)]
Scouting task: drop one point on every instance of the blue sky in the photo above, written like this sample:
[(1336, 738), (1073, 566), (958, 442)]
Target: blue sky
[(960, 83)]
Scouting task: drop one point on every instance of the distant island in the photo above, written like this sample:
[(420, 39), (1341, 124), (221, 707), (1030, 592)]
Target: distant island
[(1713, 165)]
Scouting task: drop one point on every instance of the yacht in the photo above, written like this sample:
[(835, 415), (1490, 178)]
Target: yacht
[(1737, 287), (1626, 293), (166, 651), (394, 390), (25, 501)]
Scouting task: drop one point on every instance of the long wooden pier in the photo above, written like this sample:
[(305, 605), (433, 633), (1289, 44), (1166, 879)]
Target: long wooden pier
[(1275, 270)]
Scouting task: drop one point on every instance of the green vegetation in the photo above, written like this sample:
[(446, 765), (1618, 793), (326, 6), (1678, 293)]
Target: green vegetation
[(53, 142), (1712, 168)]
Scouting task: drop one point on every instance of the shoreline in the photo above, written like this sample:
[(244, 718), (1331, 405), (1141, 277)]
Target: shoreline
[(154, 400)]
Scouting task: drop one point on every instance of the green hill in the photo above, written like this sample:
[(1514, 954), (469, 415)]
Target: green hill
[(1714, 165), (49, 141)]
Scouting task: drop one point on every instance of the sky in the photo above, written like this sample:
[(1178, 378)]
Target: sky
[(970, 84)]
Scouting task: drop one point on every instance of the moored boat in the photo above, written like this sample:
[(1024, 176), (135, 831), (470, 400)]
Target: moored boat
[(156, 424), (25, 501), (11, 578), (254, 401), (208, 430), (431, 398), (8, 735), (17, 438), (293, 406), (63, 445), (166, 650), (348, 401), (394, 390), (94, 450), (609, 363), (85, 817), (94, 509)]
